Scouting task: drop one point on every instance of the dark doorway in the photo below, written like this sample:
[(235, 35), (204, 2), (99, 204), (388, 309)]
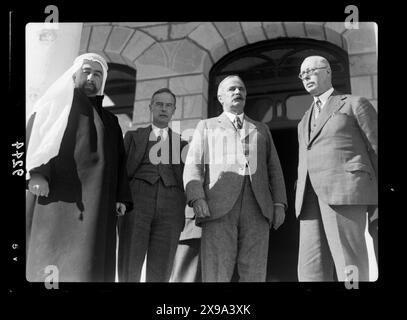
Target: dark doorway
[(283, 243)]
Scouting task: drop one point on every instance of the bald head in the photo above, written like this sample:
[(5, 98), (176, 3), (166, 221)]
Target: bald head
[(316, 75)]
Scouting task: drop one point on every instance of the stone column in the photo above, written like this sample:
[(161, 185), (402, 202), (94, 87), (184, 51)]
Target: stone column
[(51, 49)]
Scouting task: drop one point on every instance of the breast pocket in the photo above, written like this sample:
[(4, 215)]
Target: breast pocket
[(340, 122)]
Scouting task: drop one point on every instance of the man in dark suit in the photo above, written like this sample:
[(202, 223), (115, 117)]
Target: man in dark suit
[(233, 180), (154, 168), (337, 179)]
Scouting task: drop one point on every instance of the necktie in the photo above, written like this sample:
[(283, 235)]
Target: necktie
[(317, 107), (160, 134), (238, 123), (159, 138)]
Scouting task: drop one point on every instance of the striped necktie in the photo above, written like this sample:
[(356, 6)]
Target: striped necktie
[(238, 123), (317, 107)]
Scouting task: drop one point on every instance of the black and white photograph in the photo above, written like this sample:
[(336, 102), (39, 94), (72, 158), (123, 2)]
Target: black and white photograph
[(199, 152)]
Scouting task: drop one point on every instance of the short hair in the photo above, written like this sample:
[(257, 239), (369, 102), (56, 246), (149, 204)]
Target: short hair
[(224, 79), (163, 90)]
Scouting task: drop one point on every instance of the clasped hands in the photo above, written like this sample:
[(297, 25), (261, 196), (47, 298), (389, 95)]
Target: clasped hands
[(39, 186), (201, 210)]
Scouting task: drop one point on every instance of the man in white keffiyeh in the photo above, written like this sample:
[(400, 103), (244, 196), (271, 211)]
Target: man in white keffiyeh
[(76, 177), (52, 109)]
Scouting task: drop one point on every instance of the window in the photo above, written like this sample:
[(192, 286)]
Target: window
[(120, 91)]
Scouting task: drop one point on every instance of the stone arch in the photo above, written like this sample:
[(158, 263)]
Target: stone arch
[(116, 43), (217, 39), (221, 38)]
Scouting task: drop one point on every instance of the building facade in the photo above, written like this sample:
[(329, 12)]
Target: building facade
[(181, 56)]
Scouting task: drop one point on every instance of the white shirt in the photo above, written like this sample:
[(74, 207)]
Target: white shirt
[(156, 131), (324, 97), (232, 116)]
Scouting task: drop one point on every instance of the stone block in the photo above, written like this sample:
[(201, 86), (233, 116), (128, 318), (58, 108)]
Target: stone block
[(219, 51), (146, 71), (274, 30), (375, 86), (137, 24), (205, 88), (333, 37), (315, 30), (178, 110), (83, 47), (98, 38), (362, 86), (118, 39), (116, 58), (138, 43), (159, 33), (207, 65), (338, 27), (145, 89), (193, 106), (141, 113), (153, 63), (207, 36), (363, 39), (363, 64), (295, 29), (253, 31), (184, 85), (188, 58), (232, 33), (181, 30)]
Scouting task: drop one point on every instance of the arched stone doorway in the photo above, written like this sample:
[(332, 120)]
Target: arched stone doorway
[(276, 97)]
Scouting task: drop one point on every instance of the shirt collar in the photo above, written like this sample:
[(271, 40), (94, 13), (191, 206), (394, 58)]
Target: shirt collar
[(156, 131), (232, 116), (324, 97)]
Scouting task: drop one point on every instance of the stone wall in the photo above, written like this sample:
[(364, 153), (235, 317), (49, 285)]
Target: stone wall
[(180, 56)]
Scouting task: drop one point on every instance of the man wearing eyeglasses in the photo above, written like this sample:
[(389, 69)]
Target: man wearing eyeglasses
[(337, 179), (154, 170)]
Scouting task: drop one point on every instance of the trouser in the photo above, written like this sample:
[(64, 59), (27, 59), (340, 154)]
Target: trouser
[(240, 238), (332, 238), (187, 267), (153, 227)]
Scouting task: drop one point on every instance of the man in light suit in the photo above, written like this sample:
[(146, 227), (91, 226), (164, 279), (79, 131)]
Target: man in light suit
[(154, 169), (337, 179), (233, 180)]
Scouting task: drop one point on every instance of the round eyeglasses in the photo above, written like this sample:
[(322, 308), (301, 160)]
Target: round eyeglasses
[(309, 72)]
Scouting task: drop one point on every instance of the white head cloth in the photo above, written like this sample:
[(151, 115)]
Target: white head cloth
[(52, 111)]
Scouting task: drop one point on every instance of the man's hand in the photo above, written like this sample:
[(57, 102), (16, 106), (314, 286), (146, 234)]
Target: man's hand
[(120, 208), (38, 185), (279, 216), (201, 208)]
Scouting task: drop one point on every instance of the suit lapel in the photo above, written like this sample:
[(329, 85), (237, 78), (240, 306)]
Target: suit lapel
[(247, 128), (305, 124), (141, 141), (334, 103), (225, 122)]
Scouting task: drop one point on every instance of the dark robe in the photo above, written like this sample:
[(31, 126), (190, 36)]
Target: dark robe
[(74, 228)]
